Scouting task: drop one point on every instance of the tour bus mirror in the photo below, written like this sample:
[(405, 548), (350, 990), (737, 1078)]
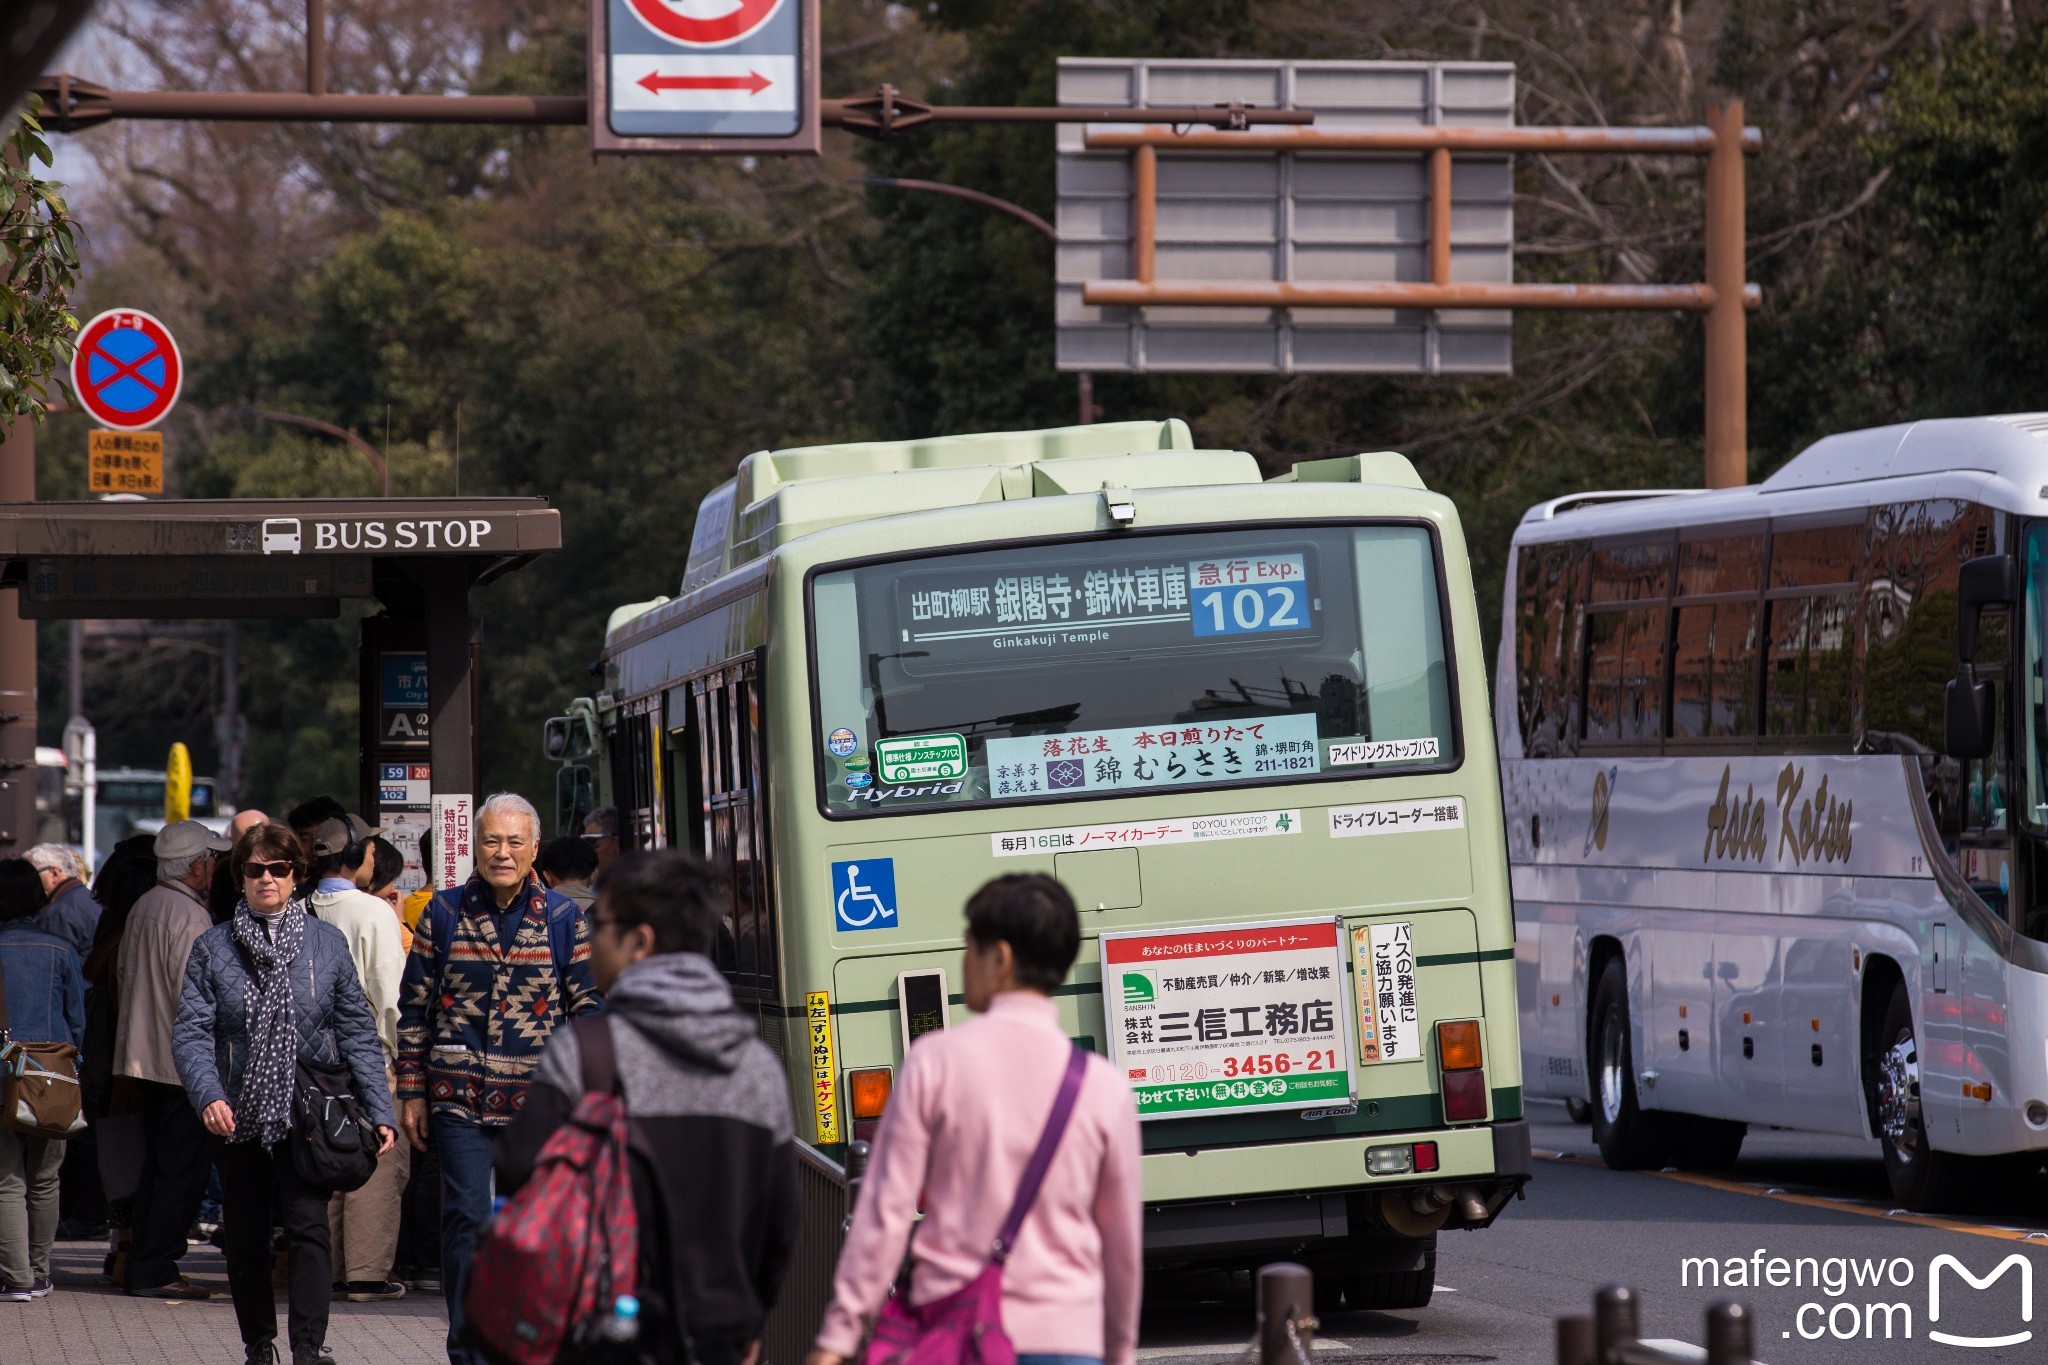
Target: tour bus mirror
[(575, 797), (1986, 581), (1971, 718)]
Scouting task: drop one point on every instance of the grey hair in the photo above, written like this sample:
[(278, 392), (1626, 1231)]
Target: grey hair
[(175, 869), (52, 858), (509, 803)]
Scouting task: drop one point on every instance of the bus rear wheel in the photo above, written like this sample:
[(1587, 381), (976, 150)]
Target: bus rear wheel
[(1378, 1290), (1630, 1138), (1922, 1179)]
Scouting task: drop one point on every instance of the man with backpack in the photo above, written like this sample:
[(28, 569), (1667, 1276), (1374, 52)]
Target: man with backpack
[(496, 965), (713, 1169)]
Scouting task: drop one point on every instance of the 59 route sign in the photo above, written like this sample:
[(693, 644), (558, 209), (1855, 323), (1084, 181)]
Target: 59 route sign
[(704, 76), (126, 370)]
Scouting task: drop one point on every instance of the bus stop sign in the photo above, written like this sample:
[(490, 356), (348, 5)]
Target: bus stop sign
[(704, 75), (126, 369)]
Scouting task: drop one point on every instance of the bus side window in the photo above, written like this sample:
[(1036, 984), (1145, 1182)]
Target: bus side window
[(1715, 638), (1548, 597), (1627, 629), (732, 834), (1814, 580)]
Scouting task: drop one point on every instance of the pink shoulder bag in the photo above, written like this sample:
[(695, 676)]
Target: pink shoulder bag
[(966, 1326)]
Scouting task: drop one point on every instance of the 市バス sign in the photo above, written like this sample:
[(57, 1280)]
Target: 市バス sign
[(126, 370)]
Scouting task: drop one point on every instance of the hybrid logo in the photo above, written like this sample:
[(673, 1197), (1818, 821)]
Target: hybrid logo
[(906, 792), (2026, 1269)]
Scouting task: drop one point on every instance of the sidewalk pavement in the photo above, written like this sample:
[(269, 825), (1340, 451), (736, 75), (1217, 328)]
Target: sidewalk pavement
[(86, 1322)]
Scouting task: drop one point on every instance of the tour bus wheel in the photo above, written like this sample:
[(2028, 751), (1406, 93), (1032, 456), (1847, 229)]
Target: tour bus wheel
[(1340, 1289), (1578, 1110), (1701, 1144), (1630, 1138), (1922, 1179)]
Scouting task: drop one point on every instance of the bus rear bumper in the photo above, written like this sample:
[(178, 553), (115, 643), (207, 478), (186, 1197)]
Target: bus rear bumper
[(1293, 1197)]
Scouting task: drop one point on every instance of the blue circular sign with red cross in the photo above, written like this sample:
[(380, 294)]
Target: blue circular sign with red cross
[(126, 370)]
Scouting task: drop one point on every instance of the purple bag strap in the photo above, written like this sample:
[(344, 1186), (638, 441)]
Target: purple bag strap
[(1041, 1159)]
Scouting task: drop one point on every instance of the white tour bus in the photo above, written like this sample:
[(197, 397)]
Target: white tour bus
[(1759, 752)]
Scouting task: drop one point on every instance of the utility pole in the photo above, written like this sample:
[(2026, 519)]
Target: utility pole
[(17, 660)]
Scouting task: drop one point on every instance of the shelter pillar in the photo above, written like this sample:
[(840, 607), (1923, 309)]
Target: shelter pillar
[(17, 661), (452, 728)]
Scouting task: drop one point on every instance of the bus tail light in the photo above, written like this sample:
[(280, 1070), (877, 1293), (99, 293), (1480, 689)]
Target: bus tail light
[(1462, 1060), (867, 1095)]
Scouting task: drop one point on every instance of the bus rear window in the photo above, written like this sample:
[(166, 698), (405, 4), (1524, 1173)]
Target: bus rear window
[(1134, 664)]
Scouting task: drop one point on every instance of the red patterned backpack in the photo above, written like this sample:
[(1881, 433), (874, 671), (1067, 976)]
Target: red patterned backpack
[(557, 1256)]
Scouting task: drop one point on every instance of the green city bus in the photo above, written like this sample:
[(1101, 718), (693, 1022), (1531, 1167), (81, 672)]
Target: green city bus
[(1245, 721)]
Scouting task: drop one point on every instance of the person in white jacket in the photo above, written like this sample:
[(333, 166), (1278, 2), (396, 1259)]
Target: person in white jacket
[(364, 1222)]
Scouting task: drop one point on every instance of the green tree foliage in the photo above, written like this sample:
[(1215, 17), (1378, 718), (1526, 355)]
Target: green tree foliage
[(36, 322), (499, 313)]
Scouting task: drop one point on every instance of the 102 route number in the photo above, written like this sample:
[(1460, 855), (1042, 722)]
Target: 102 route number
[(1237, 610)]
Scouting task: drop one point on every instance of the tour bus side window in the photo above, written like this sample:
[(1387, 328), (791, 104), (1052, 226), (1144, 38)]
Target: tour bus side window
[(1715, 638), (1547, 605), (1627, 622), (734, 839), (1917, 553), (1810, 632)]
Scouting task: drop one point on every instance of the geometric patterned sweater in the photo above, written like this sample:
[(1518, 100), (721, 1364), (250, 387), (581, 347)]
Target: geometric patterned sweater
[(474, 1016)]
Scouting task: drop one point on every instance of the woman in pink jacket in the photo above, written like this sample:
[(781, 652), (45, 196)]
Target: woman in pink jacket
[(967, 1112)]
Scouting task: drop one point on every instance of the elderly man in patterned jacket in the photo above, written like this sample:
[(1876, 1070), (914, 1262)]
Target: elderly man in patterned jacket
[(496, 965)]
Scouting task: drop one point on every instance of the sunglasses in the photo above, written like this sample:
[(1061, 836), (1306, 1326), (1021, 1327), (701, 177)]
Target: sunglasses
[(275, 871)]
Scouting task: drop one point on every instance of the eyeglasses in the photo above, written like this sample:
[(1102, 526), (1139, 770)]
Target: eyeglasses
[(277, 872)]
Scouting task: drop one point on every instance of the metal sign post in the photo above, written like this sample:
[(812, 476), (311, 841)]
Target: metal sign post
[(704, 76)]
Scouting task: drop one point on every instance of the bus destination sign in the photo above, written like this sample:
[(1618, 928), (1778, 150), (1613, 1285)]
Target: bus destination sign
[(1229, 1019), (971, 615)]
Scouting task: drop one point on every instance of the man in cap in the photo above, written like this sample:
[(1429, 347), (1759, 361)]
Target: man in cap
[(162, 927), (364, 1222)]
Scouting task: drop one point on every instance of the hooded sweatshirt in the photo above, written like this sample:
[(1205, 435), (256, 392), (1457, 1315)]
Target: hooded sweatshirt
[(714, 1171)]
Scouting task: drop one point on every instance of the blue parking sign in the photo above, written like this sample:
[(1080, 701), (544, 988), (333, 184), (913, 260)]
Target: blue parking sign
[(864, 894)]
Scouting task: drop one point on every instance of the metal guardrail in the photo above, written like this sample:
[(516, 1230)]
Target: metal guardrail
[(827, 1196), (1612, 1334)]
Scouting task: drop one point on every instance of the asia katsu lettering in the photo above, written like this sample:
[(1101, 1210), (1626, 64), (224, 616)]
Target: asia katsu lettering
[(1815, 828)]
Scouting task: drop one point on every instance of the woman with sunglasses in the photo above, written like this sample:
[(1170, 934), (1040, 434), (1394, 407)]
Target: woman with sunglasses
[(272, 985)]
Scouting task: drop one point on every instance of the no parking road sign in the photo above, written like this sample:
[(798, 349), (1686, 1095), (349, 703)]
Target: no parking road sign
[(704, 75), (126, 370)]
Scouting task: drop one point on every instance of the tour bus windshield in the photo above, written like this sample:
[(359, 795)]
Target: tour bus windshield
[(2036, 607), (1129, 664)]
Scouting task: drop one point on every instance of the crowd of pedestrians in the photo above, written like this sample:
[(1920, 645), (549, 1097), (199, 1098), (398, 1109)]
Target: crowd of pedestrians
[(212, 983)]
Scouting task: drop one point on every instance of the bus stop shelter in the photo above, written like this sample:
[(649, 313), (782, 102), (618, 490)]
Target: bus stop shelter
[(417, 558)]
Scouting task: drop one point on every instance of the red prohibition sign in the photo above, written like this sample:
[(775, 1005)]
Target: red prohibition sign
[(126, 370), (667, 18)]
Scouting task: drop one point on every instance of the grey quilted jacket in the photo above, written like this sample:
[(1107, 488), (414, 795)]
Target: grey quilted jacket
[(210, 1040)]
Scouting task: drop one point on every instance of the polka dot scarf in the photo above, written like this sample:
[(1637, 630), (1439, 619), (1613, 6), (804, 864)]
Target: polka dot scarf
[(263, 1111)]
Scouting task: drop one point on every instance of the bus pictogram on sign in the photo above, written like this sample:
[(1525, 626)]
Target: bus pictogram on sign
[(126, 370)]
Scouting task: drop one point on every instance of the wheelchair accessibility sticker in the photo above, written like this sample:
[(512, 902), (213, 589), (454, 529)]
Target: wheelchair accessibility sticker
[(864, 894)]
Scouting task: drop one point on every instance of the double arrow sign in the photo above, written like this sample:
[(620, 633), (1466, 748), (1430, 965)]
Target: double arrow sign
[(655, 83)]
